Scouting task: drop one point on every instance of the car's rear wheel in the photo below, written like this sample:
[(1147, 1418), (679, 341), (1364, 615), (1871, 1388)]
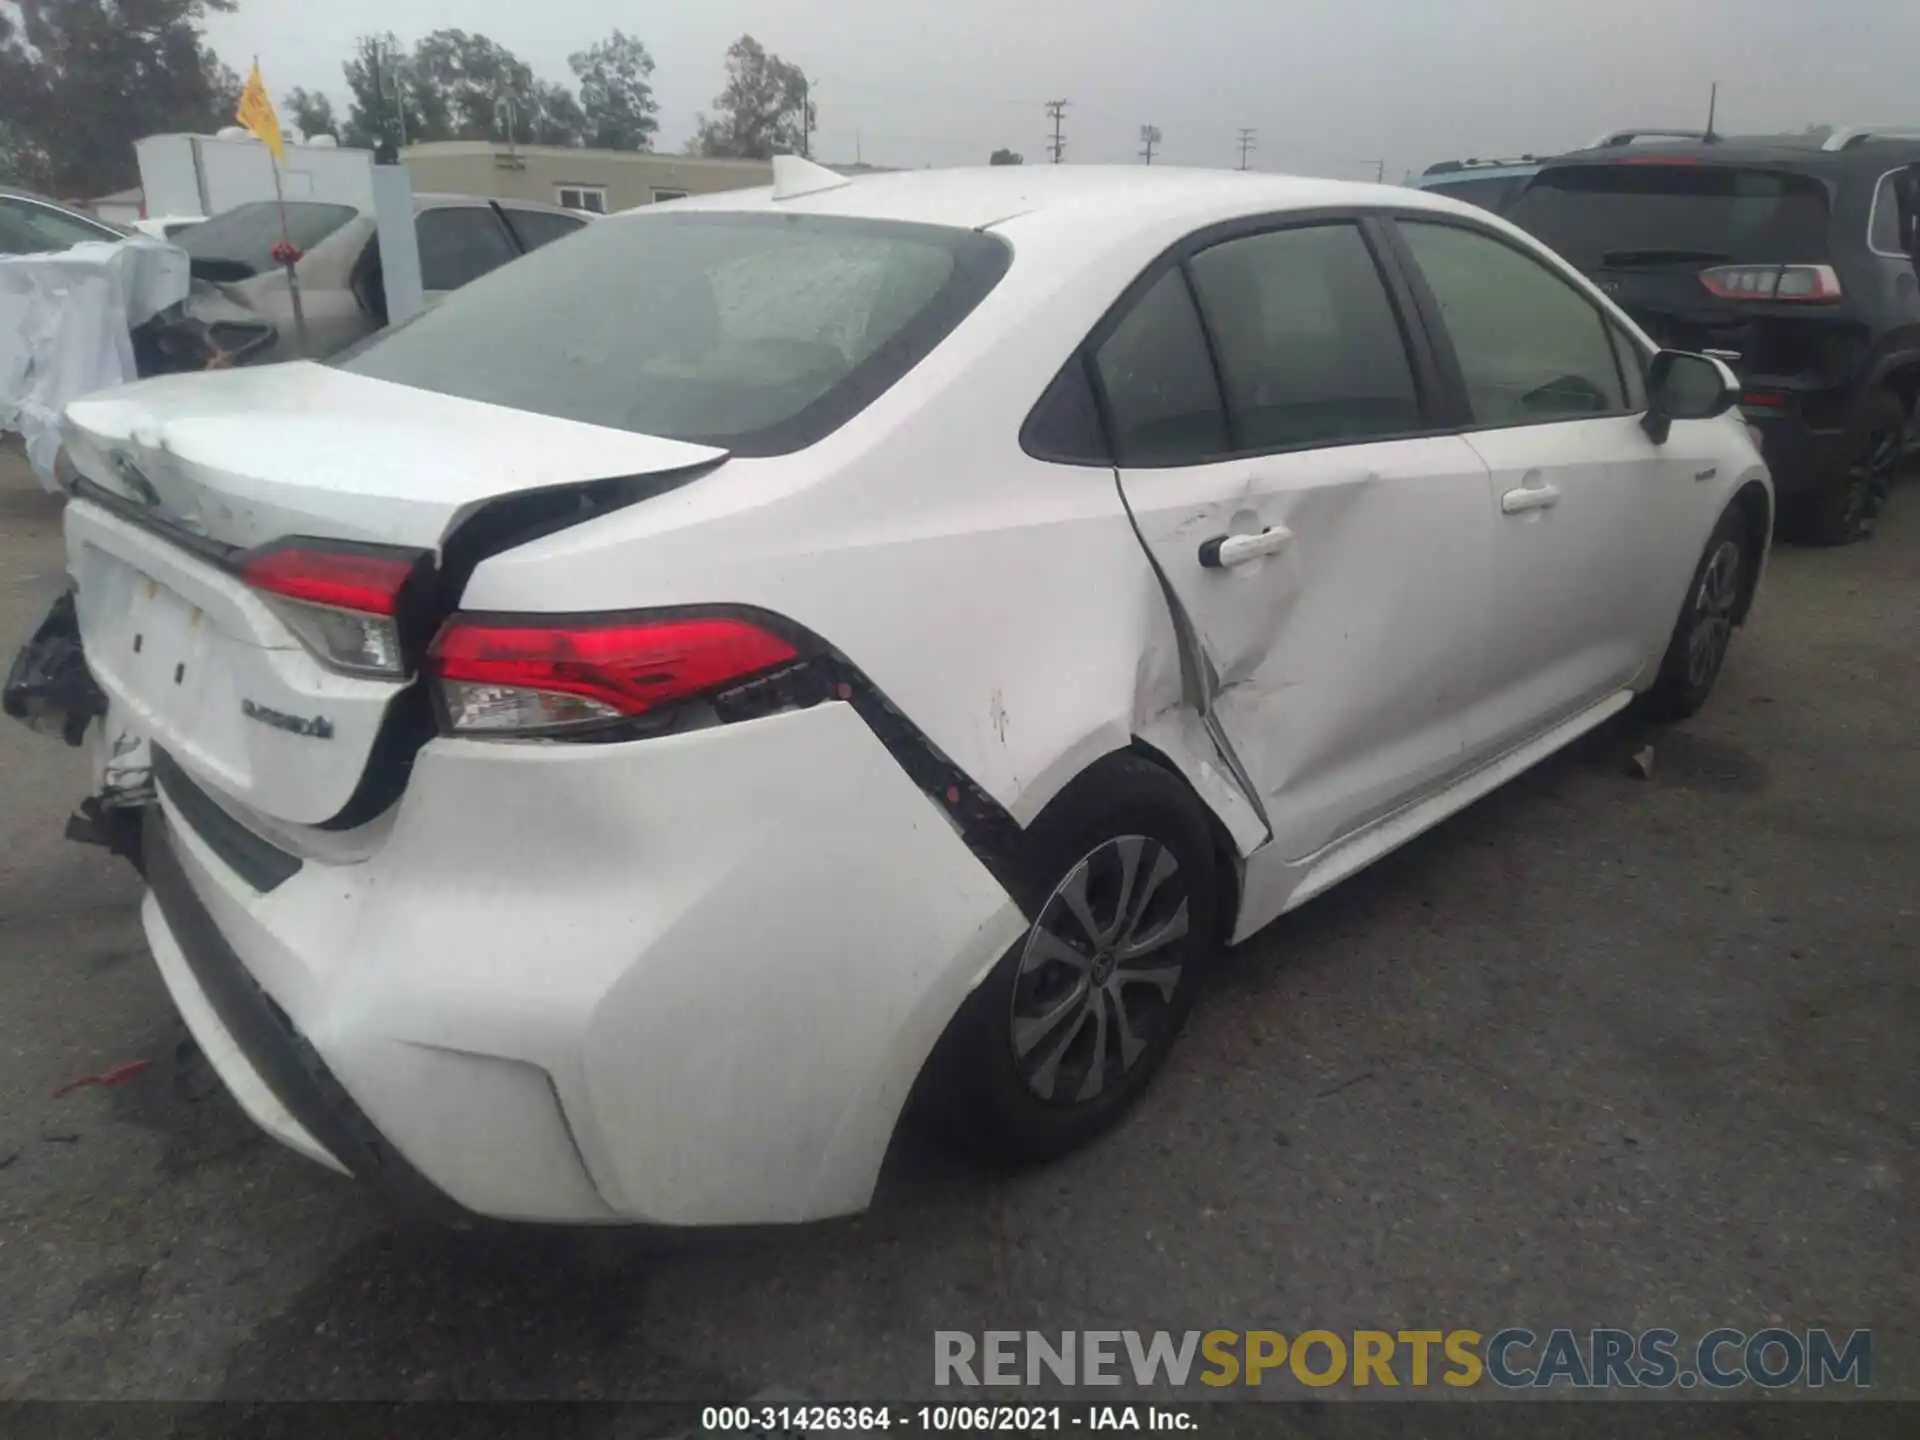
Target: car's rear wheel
[(1698, 647), (1846, 501), (1067, 1030)]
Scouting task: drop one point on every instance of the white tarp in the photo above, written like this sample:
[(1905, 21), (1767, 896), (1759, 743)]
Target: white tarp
[(65, 320)]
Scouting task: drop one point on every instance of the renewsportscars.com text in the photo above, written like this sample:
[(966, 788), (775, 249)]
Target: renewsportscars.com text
[(1513, 1358)]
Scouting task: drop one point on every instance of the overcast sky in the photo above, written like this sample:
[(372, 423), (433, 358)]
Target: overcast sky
[(1331, 85)]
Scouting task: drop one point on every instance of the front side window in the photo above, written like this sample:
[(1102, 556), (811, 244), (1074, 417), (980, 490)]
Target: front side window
[(759, 333), (1162, 400), (1310, 351), (1531, 348), (460, 245), (1633, 367)]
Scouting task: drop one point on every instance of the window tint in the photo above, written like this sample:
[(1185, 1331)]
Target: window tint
[(459, 245), (1065, 425), (1648, 215), (537, 227), (1164, 404), (1531, 348), (240, 241), (1633, 366), (27, 228), (757, 332), (1883, 229), (1309, 349)]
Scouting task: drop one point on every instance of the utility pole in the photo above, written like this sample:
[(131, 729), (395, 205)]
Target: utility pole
[(1149, 137), (1249, 137), (1379, 170), (1056, 111), (1713, 103), (807, 117)]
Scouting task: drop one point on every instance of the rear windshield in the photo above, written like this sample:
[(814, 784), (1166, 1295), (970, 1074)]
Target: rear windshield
[(1489, 192), (760, 333), (242, 239), (1638, 214)]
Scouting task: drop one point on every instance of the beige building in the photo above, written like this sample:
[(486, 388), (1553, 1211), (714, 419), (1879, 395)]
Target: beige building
[(599, 180)]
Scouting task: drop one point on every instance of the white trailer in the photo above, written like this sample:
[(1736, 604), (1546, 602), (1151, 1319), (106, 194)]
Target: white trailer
[(185, 175)]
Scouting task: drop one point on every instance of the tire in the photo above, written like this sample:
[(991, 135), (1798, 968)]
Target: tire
[(1846, 501), (1038, 1061), (1707, 616)]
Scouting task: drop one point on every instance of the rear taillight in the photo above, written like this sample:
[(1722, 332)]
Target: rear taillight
[(536, 676), (1803, 284), (342, 600)]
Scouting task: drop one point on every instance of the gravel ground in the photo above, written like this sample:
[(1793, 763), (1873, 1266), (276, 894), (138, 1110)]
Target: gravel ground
[(1600, 1051)]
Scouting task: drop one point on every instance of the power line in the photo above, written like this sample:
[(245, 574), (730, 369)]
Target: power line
[(1056, 111), (1249, 137), (1149, 137)]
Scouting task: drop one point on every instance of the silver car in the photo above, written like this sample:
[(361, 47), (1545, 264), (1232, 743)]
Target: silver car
[(240, 293)]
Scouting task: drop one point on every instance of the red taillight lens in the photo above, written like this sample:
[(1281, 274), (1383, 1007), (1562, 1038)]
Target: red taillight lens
[(1793, 284), (361, 579), (532, 677), (1762, 400), (342, 601)]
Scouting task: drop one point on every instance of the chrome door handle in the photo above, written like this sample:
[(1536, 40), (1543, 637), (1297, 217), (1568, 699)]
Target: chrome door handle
[(1529, 497), (1225, 550)]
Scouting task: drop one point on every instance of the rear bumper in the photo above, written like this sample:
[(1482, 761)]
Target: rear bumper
[(689, 980)]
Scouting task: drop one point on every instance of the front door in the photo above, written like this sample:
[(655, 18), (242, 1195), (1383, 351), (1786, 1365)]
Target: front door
[(1331, 560), (1590, 516)]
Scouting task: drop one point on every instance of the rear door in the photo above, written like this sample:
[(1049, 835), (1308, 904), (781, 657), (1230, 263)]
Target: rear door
[(1329, 554), (1592, 519)]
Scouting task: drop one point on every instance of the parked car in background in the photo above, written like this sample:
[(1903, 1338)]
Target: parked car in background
[(32, 224), (166, 227), (621, 733), (1780, 254), (1490, 184), (462, 237)]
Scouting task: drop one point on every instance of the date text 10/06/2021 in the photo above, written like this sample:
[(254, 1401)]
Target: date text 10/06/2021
[(788, 1418)]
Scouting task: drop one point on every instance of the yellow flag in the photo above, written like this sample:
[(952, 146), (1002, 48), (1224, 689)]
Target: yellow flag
[(256, 113)]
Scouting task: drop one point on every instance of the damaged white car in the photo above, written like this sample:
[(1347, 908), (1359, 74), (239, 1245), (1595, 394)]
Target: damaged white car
[(620, 734)]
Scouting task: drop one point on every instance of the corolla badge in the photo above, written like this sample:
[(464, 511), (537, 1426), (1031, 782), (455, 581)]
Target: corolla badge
[(318, 727)]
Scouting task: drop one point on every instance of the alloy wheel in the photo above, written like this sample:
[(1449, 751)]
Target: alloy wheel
[(1713, 608), (1870, 478), (1099, 972)]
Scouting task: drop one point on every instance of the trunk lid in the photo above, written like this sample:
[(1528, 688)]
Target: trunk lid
[(202, 468), (242, 457)]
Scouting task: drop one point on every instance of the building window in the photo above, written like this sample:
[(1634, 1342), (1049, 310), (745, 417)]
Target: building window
[(582, 197), (659, 194)]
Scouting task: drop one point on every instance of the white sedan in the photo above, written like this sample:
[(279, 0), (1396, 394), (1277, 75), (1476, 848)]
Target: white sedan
[(621, 734)]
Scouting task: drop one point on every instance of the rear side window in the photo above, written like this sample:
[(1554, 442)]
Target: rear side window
[(1162, 400), (535, 228), (1883, 228), (1310, 351), (239, 242), (460, 245), (1642, 214), (1531, 348), (757, 332), (28, 229)]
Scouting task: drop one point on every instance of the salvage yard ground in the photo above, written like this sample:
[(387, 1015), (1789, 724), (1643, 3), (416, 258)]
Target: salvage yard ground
[(1601, 1051)]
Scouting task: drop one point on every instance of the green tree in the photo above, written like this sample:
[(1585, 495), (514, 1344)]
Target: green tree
[(617, 101), (759, 111), (1006, 157), (81, 80), (308, 111)]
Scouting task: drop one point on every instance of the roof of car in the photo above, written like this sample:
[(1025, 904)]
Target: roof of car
[(1874, 154), (984, 196)]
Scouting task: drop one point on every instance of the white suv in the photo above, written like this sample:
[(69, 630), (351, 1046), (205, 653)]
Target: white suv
[(620, 733)]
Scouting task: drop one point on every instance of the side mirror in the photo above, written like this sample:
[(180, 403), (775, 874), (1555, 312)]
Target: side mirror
[(1684, 386)]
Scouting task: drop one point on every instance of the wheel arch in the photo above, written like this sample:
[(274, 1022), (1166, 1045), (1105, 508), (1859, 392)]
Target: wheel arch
[(1755, 505)]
